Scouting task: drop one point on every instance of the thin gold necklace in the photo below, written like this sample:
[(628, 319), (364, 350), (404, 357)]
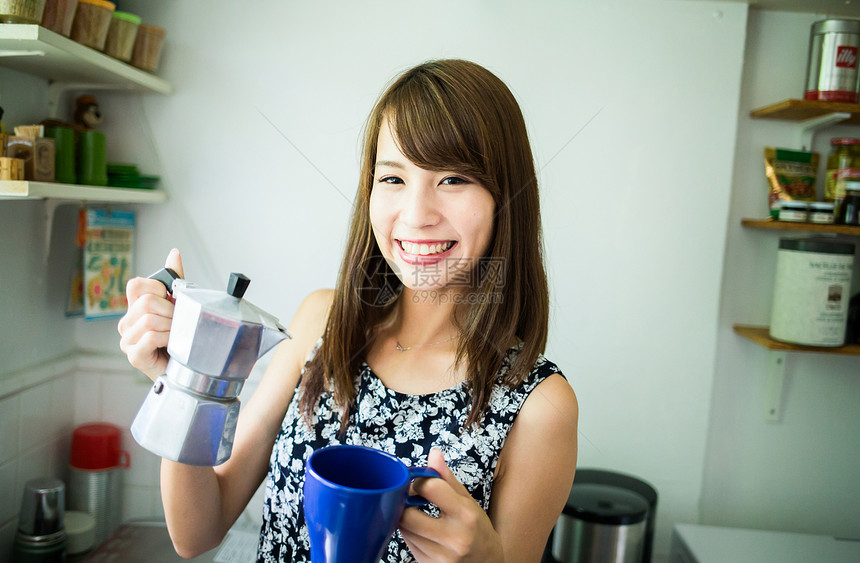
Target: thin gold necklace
[(404, 348)]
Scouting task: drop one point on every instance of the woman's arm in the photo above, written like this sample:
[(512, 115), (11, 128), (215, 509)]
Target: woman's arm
[(532, 483), (201, 503), (536, 469)]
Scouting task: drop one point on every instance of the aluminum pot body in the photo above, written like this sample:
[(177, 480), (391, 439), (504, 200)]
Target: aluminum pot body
[(216, 337)]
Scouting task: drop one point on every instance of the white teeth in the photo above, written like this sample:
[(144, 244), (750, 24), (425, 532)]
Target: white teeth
[(425, 249)]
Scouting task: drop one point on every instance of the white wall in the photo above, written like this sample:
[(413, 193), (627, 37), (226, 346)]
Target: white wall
[(798, 474), (633, 113), (31, 286), (632, 110)]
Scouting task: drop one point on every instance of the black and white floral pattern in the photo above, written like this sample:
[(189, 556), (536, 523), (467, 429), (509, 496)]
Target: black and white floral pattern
[(407, 426)]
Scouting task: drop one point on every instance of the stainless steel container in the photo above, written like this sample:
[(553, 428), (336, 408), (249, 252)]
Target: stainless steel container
[(42, 506), (41, 535), (601, 524), (98, 492), (831, 74)]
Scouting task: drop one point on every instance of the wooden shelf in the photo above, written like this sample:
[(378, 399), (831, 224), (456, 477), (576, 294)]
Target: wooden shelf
[(772, 224), (761, 336), (22, 190), (41, 52), (804, 110)]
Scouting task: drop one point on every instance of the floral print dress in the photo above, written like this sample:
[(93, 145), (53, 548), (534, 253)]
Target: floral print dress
[(407, 426)]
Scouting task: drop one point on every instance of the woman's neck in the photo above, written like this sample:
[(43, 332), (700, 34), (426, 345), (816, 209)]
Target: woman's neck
[(425, 317)]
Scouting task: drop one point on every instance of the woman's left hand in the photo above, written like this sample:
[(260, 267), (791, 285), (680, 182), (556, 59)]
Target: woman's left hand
[(463, 531)]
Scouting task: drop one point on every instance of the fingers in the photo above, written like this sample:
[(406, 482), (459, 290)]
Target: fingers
[(435, 460), (138, 287), (148, 314), (445, 492), (462, 531), (461, 537), (174, 262), (145, 328)]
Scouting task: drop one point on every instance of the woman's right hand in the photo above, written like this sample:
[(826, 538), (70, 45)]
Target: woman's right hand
[(145, 328)]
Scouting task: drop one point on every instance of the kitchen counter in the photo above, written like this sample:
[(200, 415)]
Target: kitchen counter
[(711, 544), (147, 541)]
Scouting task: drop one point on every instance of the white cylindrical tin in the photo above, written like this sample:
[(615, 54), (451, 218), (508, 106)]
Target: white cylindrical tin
[(831, 74), (811, 291)]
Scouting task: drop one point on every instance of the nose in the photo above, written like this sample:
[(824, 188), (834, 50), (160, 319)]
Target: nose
[(419, 208)]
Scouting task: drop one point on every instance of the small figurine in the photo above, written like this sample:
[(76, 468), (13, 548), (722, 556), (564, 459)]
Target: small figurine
[(86, 117), (87, 114)]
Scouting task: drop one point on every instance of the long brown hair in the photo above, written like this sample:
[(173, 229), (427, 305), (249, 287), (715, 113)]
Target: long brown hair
[(445, 115)]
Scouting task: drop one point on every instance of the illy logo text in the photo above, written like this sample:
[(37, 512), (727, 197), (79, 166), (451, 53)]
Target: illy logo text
[(846, 57)]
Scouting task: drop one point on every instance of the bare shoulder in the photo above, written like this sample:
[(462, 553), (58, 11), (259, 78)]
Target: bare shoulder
[(312, 314), (552, 405), (308, 324)]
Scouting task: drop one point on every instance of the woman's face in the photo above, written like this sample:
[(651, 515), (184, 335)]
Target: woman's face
[(432, 227)]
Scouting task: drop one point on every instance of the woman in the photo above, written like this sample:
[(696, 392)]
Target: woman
[(429, 347)]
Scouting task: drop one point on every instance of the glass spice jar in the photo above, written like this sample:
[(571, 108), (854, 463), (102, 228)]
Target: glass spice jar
[(821, 212), (792, 210), (844, 155), (849, 208)]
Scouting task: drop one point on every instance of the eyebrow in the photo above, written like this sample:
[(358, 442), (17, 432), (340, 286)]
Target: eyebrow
[(389, 163)]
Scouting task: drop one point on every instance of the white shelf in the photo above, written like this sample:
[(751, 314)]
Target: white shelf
[(21, 190), (41, 52)]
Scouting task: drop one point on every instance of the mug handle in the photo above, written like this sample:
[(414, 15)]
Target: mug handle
[(414, 473)]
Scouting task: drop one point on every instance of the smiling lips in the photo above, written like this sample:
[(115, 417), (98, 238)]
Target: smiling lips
[(424, 252)]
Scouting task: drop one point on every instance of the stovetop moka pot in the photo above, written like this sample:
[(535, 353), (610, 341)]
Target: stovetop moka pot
[(216, 337)]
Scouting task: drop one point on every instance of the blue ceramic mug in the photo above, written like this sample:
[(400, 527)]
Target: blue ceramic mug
[(354, 497)]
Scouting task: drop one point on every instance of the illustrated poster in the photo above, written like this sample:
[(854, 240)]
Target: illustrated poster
[(107, 262)]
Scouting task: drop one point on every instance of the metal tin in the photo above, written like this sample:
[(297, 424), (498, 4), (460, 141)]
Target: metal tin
[(811, 291), (831, 74), (42, 507), (98, 493)]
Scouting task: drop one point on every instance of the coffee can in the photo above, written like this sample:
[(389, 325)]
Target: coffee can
[(831, 74), (811, 291)]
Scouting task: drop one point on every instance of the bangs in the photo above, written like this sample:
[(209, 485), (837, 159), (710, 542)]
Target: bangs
[(436, 130)]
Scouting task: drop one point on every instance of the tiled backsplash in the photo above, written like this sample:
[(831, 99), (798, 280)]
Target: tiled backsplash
[(39, 409), (41, 406)]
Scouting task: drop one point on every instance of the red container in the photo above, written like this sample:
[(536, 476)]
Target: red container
[(96, 446)]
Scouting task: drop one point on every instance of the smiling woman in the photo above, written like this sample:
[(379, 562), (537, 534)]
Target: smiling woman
[(429, 348)]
